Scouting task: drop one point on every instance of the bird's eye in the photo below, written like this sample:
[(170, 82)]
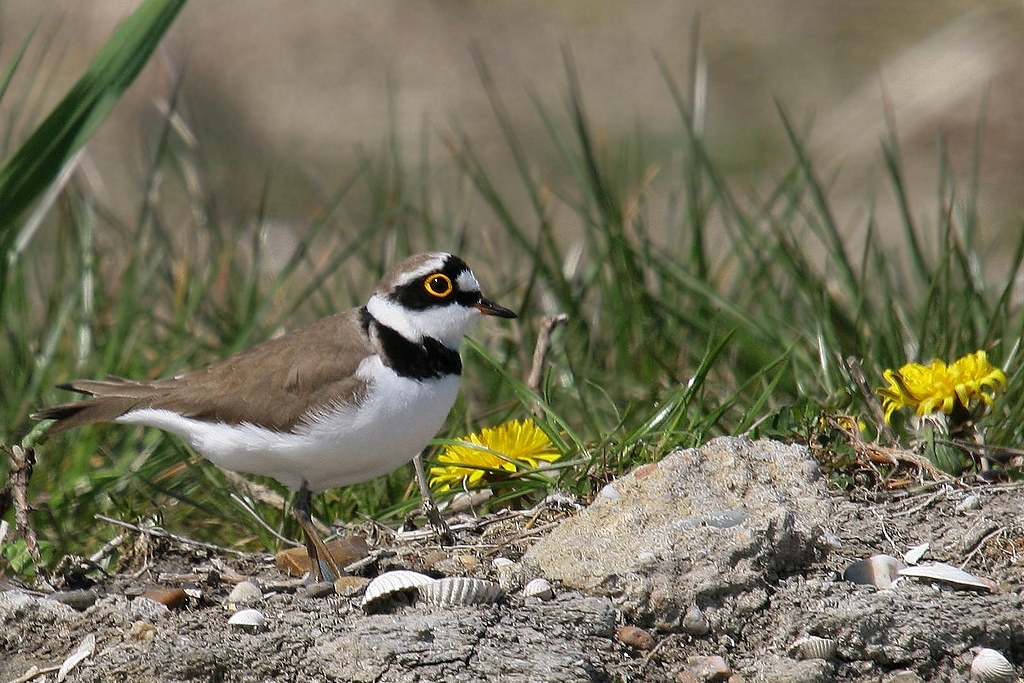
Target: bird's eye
[(439, 285)]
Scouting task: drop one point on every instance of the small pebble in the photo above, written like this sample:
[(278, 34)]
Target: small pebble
[(635, 637), (785, 670), (15, 599), (695, 623), (147, 610), (348, 586), (81, 600), (295, 561), (710, 669), (142, 632), (970, 502), (245, 592), (320, 589), (172, 598), (511, 575), (468, 561)]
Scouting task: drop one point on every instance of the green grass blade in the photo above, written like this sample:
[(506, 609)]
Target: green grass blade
[(5, 82), (27, 174)]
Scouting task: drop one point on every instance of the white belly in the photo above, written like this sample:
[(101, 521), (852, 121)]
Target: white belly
[(335, 447)]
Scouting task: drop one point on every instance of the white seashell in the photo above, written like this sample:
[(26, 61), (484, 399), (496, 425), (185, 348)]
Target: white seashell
[(878, 570), (989, 666), (245, 591), (390, 583), (501, 563), (85, 650), (461, 590), (940, 571), (540, 589), (970, 502), (813, 647), (914, 555), (248, 618)]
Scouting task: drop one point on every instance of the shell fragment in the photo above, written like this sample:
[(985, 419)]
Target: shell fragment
[(251, 619), (461, 590), (878, 570), (947, 573), (540, 589), (391, 583), (990, 666), (814, 647)]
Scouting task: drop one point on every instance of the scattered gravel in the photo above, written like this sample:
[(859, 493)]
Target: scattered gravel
[(720, 563)]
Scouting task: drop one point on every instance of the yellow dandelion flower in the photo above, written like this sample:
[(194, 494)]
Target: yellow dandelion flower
[(511, 447), (941, 387)]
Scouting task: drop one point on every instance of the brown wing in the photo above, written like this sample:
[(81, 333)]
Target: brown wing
[(272, 384)]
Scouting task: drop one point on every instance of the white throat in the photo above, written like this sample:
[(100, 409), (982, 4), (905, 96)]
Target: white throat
[(447, 324)]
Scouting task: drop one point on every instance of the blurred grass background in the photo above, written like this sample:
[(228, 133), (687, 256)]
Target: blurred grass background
[(718, 255)]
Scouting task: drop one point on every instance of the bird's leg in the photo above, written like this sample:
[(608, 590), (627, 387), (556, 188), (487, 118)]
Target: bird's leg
[(430, 508), (315, 547)]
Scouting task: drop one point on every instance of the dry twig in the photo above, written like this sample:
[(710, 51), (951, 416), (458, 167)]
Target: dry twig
[(540, 353), (157, 532), (16, 492), (870, 398)]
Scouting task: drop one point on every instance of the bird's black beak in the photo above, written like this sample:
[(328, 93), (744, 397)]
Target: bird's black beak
[(488, 307)]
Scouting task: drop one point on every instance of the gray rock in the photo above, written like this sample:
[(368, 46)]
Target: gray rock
[(784, 670), (474, 643), (147, 610), (724, 521), (78, 599), (17, 605)]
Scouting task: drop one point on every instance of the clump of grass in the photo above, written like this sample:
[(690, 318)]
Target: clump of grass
[(692, 311)]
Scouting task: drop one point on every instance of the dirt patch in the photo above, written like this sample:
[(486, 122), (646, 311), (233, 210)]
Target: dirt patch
[(916, 631)]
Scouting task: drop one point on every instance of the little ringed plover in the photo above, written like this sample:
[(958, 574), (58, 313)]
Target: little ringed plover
[(346, 399)]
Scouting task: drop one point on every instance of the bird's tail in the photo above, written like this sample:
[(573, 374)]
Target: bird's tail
[(112, 398)]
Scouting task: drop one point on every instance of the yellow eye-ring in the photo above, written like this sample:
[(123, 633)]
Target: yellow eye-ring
[(439, 285)]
